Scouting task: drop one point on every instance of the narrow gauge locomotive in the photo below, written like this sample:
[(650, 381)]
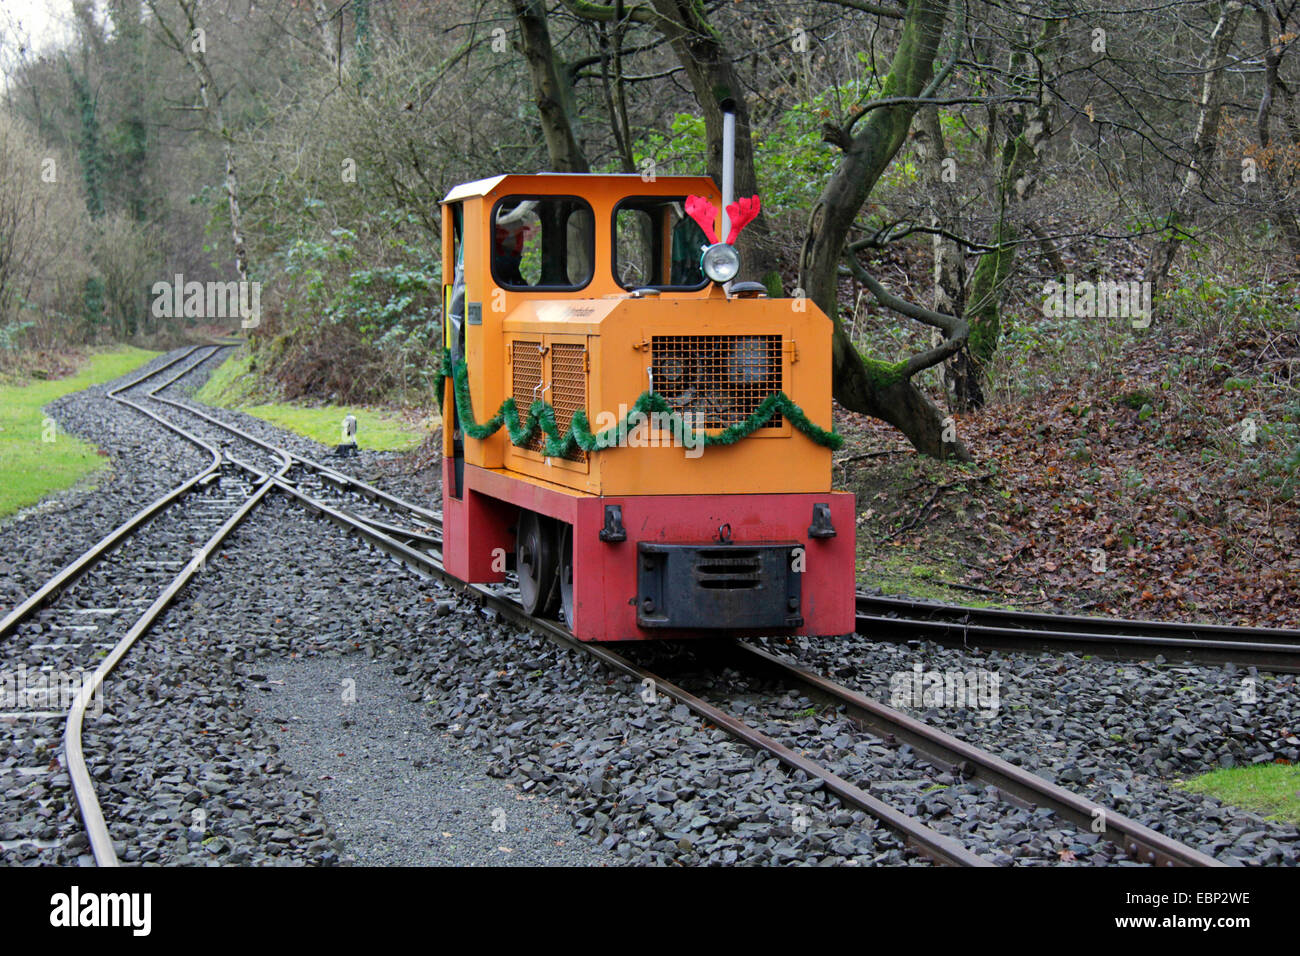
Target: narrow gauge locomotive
[(644, 443)]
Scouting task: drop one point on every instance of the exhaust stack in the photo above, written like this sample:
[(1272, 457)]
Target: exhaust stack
[(728, 164)]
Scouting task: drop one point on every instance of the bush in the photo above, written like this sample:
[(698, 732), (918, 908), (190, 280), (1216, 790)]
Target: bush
[(43, 235), (344, 333), (126, 256)]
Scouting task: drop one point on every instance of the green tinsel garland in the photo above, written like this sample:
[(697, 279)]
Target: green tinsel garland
[(542, 415)]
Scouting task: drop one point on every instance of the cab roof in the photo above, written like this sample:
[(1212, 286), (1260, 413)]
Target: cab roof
[(623, 184)]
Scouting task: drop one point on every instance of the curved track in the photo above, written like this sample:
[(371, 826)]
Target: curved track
[(129, 567), (137, 570)]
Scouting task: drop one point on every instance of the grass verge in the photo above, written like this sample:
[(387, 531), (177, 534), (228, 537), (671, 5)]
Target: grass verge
[(1271, 789), (234, 385), (36, 458)]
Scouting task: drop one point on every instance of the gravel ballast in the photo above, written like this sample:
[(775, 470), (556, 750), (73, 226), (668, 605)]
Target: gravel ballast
[(1121, 733), (396, 793)]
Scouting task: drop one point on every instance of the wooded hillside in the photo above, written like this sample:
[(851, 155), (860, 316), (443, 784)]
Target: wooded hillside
[(966, 187)]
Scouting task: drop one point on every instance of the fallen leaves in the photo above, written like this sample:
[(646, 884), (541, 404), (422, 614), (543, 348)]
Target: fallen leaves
[(1092, 506)]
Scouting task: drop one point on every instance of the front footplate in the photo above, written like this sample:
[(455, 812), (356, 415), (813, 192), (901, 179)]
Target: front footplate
[(730, 586)]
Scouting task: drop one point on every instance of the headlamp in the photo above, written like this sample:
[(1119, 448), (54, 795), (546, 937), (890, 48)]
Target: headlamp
[(720, 262)]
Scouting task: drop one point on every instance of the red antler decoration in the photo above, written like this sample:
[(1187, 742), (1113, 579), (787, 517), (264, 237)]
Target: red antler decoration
[(742, 213), (704, 213)]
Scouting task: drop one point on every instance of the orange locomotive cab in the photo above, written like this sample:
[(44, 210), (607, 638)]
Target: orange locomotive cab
[(650, 452)]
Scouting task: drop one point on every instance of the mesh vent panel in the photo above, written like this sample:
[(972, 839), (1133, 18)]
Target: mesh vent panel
[(719, 379)]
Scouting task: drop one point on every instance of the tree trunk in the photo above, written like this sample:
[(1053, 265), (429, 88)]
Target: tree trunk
[(713, 77), (984, 315), (128, 28), (1282, 212), (550, 88), (361, 39), (1027, 129), (328, 38), (860, 384), (197, 59), (1207, 131), (212, 103), (949, 262)]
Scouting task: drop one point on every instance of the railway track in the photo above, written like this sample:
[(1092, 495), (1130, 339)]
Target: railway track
[(892, 618), (215, 500), (1015, 785), (88, 625), (97, 607), (320, 481)]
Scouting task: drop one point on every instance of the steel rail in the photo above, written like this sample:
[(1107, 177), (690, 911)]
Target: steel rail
[(1082, 622), (101, 843), (325, 471), (1265, 648), (432, 518), (79, 776), (1015, 783), (83, 787), (96, 827)]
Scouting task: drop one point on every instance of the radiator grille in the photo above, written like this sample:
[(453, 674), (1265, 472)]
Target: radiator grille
[(526, 364), (719, 379), (568, 387)]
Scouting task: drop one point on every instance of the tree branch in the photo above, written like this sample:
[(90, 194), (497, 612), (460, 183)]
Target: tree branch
[(955, 330), (875, 8)]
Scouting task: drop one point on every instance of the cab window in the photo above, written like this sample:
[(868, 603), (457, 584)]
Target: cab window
[(656, 245), (542, 242)]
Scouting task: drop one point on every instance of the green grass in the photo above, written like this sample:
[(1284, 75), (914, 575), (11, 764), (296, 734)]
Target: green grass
[(234, 385), (1272, 789), (898, 572), (36, 458)]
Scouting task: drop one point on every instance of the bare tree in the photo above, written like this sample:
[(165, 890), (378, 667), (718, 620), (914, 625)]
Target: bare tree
[(44, 228), (189, 40), (1278, 37), (708, 63), (1209, 114), (553, 87)]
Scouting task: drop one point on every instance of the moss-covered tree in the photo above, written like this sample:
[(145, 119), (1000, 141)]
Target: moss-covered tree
[(883, 390)]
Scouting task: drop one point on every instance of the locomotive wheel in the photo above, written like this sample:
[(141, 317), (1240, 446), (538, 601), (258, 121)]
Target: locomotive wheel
[(536, 562), (566, 573)]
